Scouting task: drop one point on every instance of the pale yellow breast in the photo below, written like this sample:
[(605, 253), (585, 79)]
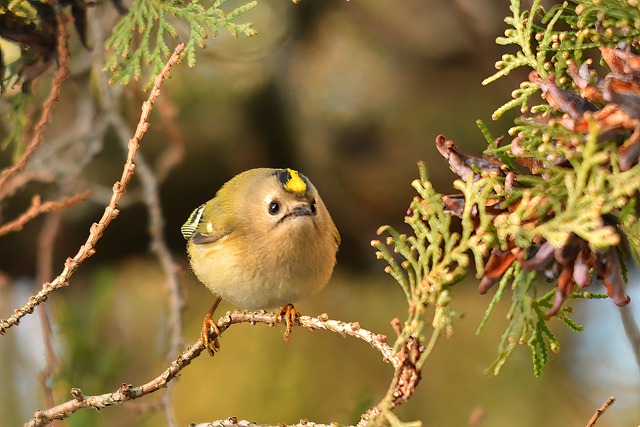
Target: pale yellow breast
[(253, 276)]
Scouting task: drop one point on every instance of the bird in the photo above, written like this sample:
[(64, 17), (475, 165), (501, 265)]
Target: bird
[(266, 240)]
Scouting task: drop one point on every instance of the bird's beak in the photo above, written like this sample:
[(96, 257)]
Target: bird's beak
[(302, 210)]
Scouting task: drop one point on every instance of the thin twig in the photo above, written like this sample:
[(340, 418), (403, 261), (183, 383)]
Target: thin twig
[(38, 207), (476, 417), (22, 179), (127, 392), (234, 422), (600, 411), (60, 78), (110, 212)]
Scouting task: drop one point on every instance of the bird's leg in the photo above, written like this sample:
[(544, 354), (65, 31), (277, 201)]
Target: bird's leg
[(291, 315), (207, 324)]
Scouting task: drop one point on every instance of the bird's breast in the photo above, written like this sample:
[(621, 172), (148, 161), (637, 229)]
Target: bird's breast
[(253, 272)]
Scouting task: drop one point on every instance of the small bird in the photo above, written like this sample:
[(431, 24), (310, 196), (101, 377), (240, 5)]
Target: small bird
[(266, 240)]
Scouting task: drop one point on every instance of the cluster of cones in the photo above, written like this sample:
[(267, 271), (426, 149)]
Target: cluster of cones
[(613, 102)]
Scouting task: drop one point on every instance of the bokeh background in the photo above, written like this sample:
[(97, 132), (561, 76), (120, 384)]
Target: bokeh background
[(352, 94)]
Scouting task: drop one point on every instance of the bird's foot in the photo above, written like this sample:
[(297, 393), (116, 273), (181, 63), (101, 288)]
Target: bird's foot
[(211, 345), (207, 324), (291, 315)]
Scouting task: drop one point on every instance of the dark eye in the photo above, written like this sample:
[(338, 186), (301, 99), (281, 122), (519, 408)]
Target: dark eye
[(274, 207), (313, 207)]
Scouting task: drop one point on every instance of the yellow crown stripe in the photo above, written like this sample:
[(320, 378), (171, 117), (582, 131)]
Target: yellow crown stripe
[(295, 184)]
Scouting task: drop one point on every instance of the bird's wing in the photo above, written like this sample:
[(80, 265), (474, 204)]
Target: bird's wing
[(199, 228)]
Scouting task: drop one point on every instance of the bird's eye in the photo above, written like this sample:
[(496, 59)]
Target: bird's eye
[(274, 207), (313, 207)]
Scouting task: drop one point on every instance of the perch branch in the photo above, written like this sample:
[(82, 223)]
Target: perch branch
[(110, 212), (61, 76), (127, 392), (234, 422), (600, 411), (38, 208)]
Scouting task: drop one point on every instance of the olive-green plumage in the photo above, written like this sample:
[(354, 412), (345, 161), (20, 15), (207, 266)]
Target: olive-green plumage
[(265, 240)]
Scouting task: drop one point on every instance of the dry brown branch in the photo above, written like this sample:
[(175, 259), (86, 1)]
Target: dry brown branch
[(61, 76), (38, 207), (110, 212), (127, 392), (234, 422), (600, 411), (476, 417), (22, 179)]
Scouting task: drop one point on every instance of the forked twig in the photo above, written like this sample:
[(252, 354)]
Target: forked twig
[(110, 212)]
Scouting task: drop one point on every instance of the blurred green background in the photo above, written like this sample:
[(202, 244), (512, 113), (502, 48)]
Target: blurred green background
[(352, 94)]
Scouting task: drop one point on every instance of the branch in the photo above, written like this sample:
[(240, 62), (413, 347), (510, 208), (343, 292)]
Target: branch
[(234, 422), (25, 178), (110, 212), (127, 392), (600, 411), (60, 78), (37, 208)]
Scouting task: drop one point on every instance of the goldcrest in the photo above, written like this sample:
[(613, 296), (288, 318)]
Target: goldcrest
[(266, 240)]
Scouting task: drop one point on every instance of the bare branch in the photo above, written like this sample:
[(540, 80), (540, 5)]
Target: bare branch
[(22, 179), (234, 422), (110, 212), (38, 208), (600, 411), (60, 78), (127, 392)]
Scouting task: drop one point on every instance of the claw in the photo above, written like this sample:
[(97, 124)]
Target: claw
[(207, 324), (291, 315)]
